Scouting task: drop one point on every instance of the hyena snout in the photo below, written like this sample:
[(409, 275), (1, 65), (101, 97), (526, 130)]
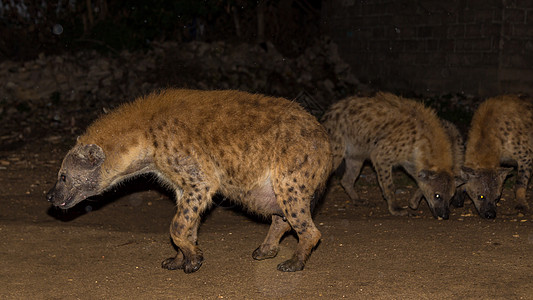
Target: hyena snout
[(488, 211), (442, 212), (62, 197)]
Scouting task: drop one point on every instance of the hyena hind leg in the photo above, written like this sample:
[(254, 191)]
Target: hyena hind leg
[(308, 237), (351, 173), (296, 206), (524, 173), (270, 246)]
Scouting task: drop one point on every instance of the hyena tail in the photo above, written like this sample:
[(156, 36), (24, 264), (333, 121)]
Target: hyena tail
[(316, 197)]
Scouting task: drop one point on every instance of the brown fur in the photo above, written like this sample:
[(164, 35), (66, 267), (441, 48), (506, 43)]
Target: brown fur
[(389, 131), (458, 154), (501, 133), (266, 153)]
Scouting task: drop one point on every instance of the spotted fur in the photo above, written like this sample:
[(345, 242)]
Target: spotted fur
[(266, 153), (501, 133), (392, 131)]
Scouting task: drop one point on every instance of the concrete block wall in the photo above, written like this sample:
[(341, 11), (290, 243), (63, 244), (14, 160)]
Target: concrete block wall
[(481, 47)]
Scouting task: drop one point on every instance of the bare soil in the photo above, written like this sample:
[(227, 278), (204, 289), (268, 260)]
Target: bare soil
[(112, 247)]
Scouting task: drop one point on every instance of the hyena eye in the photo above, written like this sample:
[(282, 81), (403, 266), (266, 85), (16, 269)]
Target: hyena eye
[(437, 196), (63, 178), (481, 197)]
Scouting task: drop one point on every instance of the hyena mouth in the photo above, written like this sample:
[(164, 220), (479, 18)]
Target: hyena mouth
[(67, 203)]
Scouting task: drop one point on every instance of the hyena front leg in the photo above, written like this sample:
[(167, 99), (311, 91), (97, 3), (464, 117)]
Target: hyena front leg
[(270, 246), (384, 174), (353, 169), (184, 230), (414, 202), (458, 199), (523, 176)]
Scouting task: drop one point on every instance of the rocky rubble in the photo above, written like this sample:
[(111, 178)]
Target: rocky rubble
[(55, 95)]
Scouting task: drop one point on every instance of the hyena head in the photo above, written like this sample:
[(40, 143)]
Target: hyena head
[(484, 187), (438, 189), (78, 177)]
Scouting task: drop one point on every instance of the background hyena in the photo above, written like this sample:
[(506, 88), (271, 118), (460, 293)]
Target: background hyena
[(266, 153), (458, 154), (389, 130), (501, 132)]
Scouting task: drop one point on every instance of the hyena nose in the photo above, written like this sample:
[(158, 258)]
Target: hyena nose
[(50, 196), (490, 214)]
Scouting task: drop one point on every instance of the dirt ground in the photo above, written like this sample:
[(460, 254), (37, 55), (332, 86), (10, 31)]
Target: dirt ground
[(112, 248)]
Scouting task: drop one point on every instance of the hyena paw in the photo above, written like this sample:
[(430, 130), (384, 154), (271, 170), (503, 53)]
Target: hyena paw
[(362, 202), (193, 264), (260, 253), (398, 211), (291, 265), (173, 263)]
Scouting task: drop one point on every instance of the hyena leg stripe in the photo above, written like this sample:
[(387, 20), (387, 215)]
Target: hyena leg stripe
[(270, 246)]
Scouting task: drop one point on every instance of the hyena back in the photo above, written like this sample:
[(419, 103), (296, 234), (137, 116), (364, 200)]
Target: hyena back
[(266, 153), (501, 133), (390, 131)]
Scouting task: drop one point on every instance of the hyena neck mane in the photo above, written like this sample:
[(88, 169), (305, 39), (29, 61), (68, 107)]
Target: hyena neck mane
[(484, 147), (433, 149), (121, 135)]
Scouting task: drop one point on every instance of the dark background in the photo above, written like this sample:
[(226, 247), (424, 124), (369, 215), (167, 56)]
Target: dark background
[(62, 63), (30, 28)]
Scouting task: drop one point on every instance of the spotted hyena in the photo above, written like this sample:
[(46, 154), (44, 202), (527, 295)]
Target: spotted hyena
[(458, 154), (392, 131), (266, 153), (501, 133)]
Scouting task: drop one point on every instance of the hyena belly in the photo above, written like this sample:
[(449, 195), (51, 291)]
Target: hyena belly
[(501, 133), (391, 131), (266, 153)]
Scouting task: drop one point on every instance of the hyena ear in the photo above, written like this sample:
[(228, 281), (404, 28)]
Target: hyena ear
[(426, 175), (504, 172), (91, 156)]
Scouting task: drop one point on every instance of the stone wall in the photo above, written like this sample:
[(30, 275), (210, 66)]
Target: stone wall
[(482, 47)]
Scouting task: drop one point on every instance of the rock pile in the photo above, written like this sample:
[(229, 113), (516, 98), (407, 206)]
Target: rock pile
[(68, 91)]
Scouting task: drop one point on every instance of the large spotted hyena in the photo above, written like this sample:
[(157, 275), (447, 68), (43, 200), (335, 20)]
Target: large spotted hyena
[(501, 133), (392, 131), (266, 153)]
